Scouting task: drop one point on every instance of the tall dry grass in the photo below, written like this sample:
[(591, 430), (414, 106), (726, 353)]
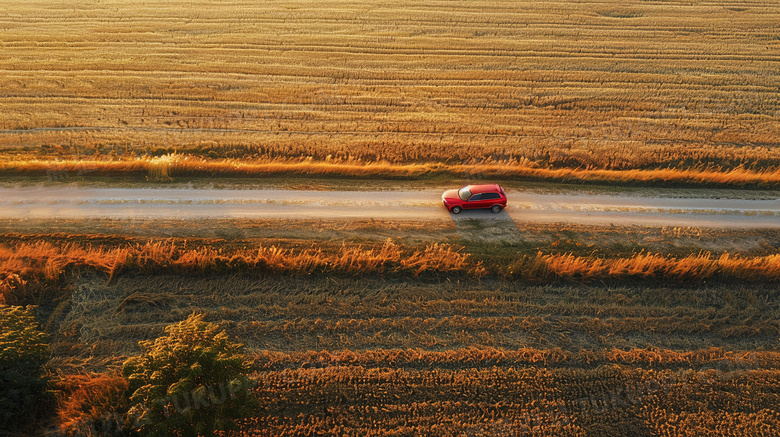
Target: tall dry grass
[(647, 266), (88, 402), (171, 166), (28, 268)]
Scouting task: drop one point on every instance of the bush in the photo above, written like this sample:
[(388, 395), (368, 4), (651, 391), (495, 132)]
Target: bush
[(189, 382), (23, 352)]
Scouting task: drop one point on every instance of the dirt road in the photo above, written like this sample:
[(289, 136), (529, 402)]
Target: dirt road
[(79, 202)]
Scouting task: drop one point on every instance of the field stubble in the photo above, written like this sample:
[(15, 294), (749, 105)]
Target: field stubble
[(343, 345), (664, 93), (614, 92), (294, 314), (355, 356)]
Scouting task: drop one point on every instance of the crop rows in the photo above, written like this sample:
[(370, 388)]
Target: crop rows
[(337, 351), (575, 361), (350, 394), (712, 358), (609, 86), (485, 399), (552, 324), (482, 391)]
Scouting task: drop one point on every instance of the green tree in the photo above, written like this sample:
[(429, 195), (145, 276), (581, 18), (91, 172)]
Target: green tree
[(189, 382), (23, 382)]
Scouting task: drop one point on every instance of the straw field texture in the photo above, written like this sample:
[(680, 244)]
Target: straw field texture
[(535, 86)]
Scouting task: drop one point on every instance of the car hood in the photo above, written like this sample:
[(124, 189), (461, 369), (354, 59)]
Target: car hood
[(450, 194)]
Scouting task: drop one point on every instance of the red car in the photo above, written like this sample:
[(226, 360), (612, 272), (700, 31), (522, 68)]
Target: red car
[(475, 197)]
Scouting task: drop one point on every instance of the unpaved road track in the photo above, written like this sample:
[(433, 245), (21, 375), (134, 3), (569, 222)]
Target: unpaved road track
[(131, 203)]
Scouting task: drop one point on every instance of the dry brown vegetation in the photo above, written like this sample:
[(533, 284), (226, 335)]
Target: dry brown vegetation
[(27, 270), (611, 92), (168, 167), (342, 357), (688, 270), (396, 352), (359, 396), (571, 323), (26, 267), (85, 397), (559, 331)]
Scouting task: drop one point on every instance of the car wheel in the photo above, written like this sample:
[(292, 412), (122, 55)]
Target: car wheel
[(456, 210), (496, 208)]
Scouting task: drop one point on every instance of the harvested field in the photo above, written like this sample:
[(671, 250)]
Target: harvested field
[(667, 92), (346, 339), (410, 324)]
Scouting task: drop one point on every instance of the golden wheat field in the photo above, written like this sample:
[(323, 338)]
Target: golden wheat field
[(399, 327), (609, 85)]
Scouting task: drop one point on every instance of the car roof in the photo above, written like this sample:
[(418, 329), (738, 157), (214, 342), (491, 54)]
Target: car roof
[(483, 188)]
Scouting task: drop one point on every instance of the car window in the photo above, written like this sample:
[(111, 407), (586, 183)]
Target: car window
[(464, 193), (476, 197), (490, 196)]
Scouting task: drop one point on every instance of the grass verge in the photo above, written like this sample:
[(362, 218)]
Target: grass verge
[(169, 167)]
